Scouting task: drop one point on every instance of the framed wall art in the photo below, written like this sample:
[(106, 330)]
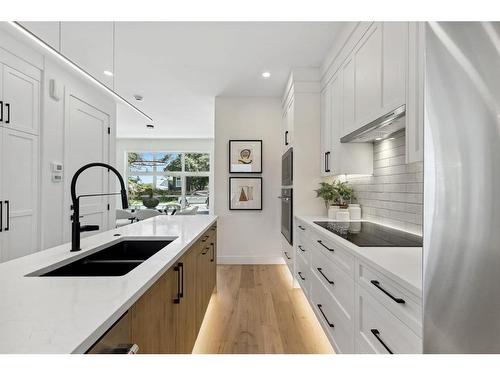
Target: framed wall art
[(245, 193), (245, 156)]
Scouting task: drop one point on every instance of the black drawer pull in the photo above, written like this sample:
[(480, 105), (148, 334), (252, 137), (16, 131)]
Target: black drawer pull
[(7, 206), (7, 105), (206, 251), (301, 248), (300, 275), (376, 333), (177, 269), (1, 111), (320, 307), (213, 252), (326, 247), (205, 238), (326, 278), (286, 254), (301, 227), (395, 299)]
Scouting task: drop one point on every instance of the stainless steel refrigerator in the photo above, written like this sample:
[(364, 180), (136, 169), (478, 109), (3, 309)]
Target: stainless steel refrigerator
[(462, 188)]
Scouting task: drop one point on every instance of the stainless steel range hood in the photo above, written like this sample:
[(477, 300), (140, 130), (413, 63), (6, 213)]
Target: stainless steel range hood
[(379, 129)]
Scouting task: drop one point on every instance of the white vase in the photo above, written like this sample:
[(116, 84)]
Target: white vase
[(343, 214), (332, 212), (355, 211)]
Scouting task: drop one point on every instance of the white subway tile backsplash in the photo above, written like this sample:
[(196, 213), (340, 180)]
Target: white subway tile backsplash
[(394, 194)]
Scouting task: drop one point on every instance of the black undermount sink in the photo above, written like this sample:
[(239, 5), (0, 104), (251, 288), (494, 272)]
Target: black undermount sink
[(115, 260)]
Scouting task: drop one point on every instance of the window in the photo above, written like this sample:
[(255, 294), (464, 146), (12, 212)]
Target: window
[(171, 178)]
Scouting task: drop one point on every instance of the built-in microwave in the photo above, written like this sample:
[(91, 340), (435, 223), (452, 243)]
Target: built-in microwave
[(287, 168)]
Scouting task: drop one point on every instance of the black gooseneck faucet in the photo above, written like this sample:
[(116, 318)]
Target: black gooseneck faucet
[(76, 228)]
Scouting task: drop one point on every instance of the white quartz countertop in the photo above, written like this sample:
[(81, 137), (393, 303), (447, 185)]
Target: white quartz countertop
[(403, 264), (69, 314)]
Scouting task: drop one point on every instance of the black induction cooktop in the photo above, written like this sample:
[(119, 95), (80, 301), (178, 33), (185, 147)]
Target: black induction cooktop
[(366, 234)]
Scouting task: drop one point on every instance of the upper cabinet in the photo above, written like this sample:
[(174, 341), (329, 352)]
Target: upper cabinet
[(415, 93), (378, 69), (48, 31)]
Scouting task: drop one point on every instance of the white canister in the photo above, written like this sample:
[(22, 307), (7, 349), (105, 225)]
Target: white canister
[(355, 211), (332, 212), (343, 214)]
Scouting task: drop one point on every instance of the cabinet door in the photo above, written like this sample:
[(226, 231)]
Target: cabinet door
[(203, 251), (348, 93), (153, 317), (336, 126), (395, 47), (325, 130), (21, 96), (186, 331), (289, 125), (415, 93), (368, 76), (19, 164)]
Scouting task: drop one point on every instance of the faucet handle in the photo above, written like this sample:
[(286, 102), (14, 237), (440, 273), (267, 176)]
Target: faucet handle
[(89, 228)]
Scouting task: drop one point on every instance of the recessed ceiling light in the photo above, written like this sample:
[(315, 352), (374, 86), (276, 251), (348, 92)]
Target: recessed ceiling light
[(266, 74), (138, 97), (150, 126), (378, 139), (108, 73)]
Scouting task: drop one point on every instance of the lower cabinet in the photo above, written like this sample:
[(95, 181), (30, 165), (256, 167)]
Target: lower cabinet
[(360, 309), (168, 316)]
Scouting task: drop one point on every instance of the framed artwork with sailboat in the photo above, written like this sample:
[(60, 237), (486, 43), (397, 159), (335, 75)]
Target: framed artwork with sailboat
[(245, 193)]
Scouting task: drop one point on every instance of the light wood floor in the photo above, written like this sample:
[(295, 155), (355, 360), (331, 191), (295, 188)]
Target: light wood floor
[(255, 311)]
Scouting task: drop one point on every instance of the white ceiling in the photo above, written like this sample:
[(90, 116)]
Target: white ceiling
[(180, 67)]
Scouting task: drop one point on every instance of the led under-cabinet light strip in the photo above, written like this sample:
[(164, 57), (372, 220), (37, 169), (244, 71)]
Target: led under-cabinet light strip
[(74, 66)]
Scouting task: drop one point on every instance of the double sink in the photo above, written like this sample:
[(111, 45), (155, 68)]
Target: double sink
[(117, 259)]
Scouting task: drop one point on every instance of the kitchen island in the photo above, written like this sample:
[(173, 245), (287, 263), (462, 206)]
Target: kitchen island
[(70, 314)]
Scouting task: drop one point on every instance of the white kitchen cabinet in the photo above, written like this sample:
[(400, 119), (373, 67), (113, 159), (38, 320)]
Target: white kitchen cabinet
[(19, 175), (326, 130), (48, 31), (287, 125), (19, 157), (348, 96), (415, 93), (368, 76), (21, 94), (357, 315), (394, 64)]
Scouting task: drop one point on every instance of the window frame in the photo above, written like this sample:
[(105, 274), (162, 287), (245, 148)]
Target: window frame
[(182, 173)]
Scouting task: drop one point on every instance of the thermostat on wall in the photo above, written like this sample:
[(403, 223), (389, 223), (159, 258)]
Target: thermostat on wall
[(57, 167)]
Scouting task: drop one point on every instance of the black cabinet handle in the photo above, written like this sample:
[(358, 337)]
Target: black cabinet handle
[(320, 307), (206, 251), (205, 238), (326, 278), (300, 275), (177, 269), (376, 333), (7, 206), (1, 110), (327, 161), (395, 299), (286, 138), (301, 248), (181, 294), (7, 105), (1, 216), (286, 254), (301, 227), (213, 252), (326, 247)]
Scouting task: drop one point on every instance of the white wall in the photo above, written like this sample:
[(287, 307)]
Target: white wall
[(249, 237), (124, 145)]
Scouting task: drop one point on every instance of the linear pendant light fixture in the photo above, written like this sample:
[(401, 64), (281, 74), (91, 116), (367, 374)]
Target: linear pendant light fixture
[(75, 67)]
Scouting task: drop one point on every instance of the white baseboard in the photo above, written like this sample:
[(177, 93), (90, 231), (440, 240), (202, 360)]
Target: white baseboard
[(249, 260)]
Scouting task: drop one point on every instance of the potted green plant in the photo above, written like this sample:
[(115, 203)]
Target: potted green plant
[(328, 192), (345, 192), (149, 201)]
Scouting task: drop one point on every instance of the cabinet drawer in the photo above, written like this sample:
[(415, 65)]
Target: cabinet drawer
[(303, 247), (335, 280), (303, 274), (379, 331), (339, 329), (403, 304), (333, 251)]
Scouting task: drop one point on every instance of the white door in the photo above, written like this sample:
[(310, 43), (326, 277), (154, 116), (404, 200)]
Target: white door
[(19, 193), (87, 141), (21, 97)]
